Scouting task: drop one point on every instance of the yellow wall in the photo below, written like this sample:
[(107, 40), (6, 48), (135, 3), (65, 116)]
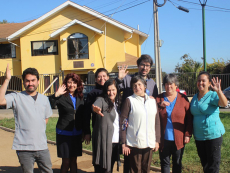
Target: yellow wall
[(116, 46)]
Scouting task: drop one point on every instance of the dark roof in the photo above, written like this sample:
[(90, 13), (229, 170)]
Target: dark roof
[(9, 28)]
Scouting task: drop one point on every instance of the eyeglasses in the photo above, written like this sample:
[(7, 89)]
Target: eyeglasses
[(144, 65)]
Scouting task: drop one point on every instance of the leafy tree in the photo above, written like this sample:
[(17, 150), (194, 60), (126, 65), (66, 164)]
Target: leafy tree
[(3, 21), (217, 67), (188, 65), (227, 67)]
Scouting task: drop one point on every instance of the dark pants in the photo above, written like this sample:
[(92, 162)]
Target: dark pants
[(126, 167), (42, 157), (115, 155), (168, 150), (140, 160), (99, 169), (209, 152)]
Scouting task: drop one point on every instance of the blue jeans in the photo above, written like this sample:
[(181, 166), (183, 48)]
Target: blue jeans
[(27, 159)]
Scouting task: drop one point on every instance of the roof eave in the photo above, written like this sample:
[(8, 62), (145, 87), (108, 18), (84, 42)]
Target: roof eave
[(57, 9)]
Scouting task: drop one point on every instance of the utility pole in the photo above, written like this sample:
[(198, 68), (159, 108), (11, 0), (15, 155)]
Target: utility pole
[(157, 49), (204, 38), (156, 41)]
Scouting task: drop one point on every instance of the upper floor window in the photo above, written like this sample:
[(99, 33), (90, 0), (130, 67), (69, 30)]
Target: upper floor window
[(78, 46), (7, 51), (40, 48)]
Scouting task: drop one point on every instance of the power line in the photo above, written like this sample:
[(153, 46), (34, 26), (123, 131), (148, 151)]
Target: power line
[(86, 21), (148, 32), (206, 5), (95, 34), (93, 17)]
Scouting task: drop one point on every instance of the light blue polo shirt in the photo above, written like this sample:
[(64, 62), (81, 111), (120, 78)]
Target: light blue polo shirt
[(206, 120), (30, 120)]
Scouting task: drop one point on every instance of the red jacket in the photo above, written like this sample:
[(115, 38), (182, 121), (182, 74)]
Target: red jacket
[(181, 119)]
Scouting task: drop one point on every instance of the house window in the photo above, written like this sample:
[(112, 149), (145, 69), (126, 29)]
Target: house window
[(78, 46), (7, 51), (40, 48)]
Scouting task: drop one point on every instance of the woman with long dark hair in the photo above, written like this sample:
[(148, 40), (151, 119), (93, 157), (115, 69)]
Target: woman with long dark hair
[(208, 129), (69, 100), (105, 138)]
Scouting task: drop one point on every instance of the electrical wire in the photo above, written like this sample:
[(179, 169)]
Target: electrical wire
[(173, 4), (205, 5), (95, 34), (82, 20), (148, 32), (91, 17)]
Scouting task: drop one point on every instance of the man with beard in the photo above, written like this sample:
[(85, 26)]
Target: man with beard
[(144, 64), (31, 113)]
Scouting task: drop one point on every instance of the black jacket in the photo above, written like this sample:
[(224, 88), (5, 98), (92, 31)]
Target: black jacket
[(68, 118), (91, 98)]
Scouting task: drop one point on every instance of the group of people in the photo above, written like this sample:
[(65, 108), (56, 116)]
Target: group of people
[(128, 117)]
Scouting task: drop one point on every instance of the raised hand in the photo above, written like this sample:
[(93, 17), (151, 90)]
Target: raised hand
[(61, 90), (97, 110), (122, 71), (216, 84), (8, 73)]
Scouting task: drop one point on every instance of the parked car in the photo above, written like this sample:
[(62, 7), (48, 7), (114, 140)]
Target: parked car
[(178, 90), (226, 92)]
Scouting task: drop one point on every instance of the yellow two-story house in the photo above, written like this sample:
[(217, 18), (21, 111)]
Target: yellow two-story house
[(69, 38)]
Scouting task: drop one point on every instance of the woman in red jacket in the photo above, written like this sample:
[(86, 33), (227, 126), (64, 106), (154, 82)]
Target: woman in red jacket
[(176, 124)]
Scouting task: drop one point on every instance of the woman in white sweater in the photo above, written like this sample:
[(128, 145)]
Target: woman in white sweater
[(142, 135)]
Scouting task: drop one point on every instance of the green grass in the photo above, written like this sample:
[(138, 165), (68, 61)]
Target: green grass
[(191, 161)]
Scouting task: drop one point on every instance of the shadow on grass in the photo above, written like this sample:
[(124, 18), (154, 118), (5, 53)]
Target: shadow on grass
[(12, 169)]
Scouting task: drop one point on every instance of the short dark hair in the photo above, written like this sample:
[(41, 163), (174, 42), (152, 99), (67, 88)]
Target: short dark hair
[(205, 73), (171, 78), (101, 70), (32, 71), (145, 58), (137, 78)]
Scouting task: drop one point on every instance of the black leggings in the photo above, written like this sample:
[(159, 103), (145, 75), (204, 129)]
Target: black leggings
[(209, 152)]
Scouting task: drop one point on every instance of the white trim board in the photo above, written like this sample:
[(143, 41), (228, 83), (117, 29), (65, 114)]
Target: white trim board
[(75, 21)]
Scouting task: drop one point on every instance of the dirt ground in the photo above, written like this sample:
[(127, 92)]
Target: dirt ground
[(9, 161)]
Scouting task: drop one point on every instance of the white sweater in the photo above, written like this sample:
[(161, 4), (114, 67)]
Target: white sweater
[(141, 127)]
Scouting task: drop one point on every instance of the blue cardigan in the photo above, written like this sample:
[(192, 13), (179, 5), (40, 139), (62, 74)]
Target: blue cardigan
[(206, 121)]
